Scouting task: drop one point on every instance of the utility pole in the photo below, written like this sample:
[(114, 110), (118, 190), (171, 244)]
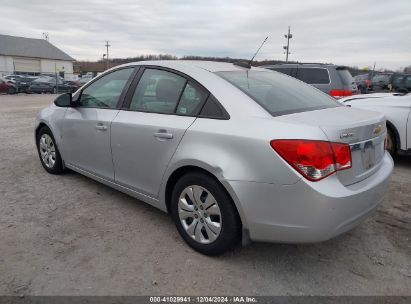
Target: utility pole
[(287, 47), (107, 45)]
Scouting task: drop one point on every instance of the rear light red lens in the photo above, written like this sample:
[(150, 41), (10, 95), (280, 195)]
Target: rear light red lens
[(314, 159), (340, 93)]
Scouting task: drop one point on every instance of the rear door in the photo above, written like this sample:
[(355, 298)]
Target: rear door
[(145, 135), (86, 128)]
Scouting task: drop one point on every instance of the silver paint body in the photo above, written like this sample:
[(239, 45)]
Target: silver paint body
[(275, 202)]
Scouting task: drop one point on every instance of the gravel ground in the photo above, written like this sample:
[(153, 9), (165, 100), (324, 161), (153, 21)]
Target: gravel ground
[(73, 236)]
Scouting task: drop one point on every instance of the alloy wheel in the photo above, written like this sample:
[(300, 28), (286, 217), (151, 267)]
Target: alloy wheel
[(199, 214), (47, 150)]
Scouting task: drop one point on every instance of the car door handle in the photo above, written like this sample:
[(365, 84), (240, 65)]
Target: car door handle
[(163, 134), (101, 127)]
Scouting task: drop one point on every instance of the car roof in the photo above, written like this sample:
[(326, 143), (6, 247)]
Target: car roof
[(211, 66), (302, 65)]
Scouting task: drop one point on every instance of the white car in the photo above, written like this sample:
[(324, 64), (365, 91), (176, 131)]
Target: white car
[(397, 110)]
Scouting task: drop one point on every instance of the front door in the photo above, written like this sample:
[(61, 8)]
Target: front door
[(87, 127)]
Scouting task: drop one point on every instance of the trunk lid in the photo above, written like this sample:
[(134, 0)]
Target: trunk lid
[(363, 130)]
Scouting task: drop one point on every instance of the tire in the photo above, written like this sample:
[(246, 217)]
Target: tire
[(361, 89), (199, 218), (49, 154), (11, 90), (391, 144)]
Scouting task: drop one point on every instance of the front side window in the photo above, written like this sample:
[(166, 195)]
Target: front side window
[(313, 75), (158, 91), (106, 91), (277, 93)]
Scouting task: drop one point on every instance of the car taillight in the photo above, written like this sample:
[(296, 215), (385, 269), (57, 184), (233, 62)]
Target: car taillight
[(340, 93), (314, 159)]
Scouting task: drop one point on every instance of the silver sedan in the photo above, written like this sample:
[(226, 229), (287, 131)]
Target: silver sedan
[(231, 152)]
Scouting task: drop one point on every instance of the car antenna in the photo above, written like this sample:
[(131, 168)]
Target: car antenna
[(248, 64)]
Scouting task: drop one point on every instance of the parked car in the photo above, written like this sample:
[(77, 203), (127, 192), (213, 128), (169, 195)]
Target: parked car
[(83, 80), (401, 82), (363, 83), (331, 79), (397, 110), (73, 85), (25, 82), (46, 84), (231, 152), (7, 87), (380, 82)]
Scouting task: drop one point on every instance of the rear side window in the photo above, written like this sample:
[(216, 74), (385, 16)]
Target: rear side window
[(277, 93), (191, 100), (397, 80), (158, 91), (313, 75), (212, 109)]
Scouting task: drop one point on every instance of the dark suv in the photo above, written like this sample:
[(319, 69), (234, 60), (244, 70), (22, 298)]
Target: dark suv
[(329, 78), (380, 82), (401, 82)]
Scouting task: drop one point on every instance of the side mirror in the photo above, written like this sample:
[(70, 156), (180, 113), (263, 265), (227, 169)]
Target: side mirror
[(63, 100)]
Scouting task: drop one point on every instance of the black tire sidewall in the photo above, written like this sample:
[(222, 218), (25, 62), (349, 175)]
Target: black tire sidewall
[(58, 165), (230, 233), (390, 134)]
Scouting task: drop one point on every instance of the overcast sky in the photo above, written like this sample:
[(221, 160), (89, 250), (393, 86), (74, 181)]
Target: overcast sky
[(352, 32)]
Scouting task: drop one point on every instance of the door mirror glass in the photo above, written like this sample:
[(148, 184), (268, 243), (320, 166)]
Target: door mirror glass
[(64, 100)]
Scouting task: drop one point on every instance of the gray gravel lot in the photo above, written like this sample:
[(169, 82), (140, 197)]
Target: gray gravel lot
[(73, 236)]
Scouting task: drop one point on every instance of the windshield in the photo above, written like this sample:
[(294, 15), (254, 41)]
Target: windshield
[(277, 93)]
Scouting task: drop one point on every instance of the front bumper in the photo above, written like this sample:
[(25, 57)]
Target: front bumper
[(307, 212)]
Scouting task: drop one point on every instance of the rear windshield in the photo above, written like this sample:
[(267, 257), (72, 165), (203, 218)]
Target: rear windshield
[(345, 75), (277, 93), (314, 75)]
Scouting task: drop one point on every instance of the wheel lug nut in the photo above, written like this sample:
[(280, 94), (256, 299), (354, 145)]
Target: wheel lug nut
[(201, 207), (195, 215), (201, 220)]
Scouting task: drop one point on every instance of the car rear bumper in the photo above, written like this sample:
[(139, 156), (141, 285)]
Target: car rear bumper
[(307, 212)]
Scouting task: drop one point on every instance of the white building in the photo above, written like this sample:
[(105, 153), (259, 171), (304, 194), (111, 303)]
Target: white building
[(20, 55)]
